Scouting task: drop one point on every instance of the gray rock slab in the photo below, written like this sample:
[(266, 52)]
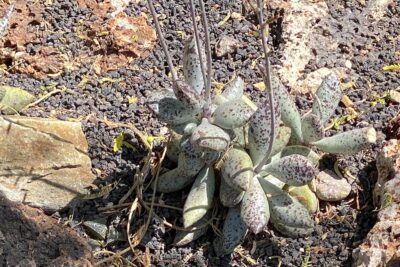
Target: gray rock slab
[(43, 162)]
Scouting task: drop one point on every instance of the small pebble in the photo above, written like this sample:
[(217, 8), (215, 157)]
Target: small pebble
[(330, 187)]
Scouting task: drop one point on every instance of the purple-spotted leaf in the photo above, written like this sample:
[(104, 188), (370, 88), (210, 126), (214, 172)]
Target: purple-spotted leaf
[(348, 143), (237, 169), (289, 112), (233, 233), (173, 181), (312, 128), (183, 238), (186, 128), (234, 113), (174, 112), (281, 140), (187, 95), (192, 66), (190, 160), (200, 197), (254, 207), (211, 137), (293, 170), (228, 195), (304, 151), (260, 130), (327, 98), (234, 89), (173, 147), (288, 216)]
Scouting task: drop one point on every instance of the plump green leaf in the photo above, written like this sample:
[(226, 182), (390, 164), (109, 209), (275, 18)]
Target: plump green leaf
[(233, 233), (281, 140), (228, 195), (13, 99), (234, 89), (254, 207), (305, 196), (348, 143), (312, 128), (234, 113), (174, 112), (173, 147), (287, 214), (293, 170), (187, 95), (327, 98), (237, 169), (260, 130), (190, 160), (191, 65), (290, 114), (304, 151), (211, 137), (186, 128), (173, 181), (200, 197), (183, 238)]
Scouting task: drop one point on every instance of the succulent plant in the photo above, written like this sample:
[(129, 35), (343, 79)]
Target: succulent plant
[(231, 144)]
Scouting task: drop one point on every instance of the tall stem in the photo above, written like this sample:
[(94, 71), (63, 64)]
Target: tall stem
[(162, 41), (197, 39), (267, 80), (208, 54)]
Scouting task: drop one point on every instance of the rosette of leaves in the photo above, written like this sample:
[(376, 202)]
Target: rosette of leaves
[(223, 147)]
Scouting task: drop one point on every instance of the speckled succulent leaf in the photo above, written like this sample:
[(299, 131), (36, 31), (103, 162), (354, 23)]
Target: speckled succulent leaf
[(173, 146), (192, 66), (228, 195), (289, 112), (154, 98), (348, 143), (234, 113), (211, 137), (211, 156), (312, 128), (237, 169), (287, 214), (13, 99), (293, 170), (187, 95), (234, 89), (200, 197), (185, 128), (260, 130), (304, 151), (5, 20), (174, 112), (305, 196), (271, 179), (281, 140), (328, 96), (254, 207), (239, 136), (173, 181), (185, 237), (233, 233), (190, 160)]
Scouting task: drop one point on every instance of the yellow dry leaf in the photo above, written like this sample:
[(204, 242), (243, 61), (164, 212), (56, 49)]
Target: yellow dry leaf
[(259, 86), (132, 99), (118, 141), (146, 258), (393, 67), (225, 19)]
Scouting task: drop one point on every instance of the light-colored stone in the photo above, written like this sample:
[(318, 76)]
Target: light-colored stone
[(330, 187), (226, 45), (43, 162), (382, 244), (394, 96)]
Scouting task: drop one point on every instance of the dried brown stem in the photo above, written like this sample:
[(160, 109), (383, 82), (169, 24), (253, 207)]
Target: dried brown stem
[(162, 41)]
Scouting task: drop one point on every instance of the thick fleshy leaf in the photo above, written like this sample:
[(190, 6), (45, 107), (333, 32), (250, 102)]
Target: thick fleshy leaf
[(191, 65), (237, 169), (228, 195), (327, 98), (210, 157), (174, 112), (287, 214), (233, 233), (312, 128), (293, 170), (234, 113), (290, 114), (281, 140), (185, 237), (271, 179), (200, 197), (190, 160), (239, 136), (260, 130), (186, 128), (254, 207), (187, 95), (304, 151), (13, 99), (173, 181), (211, 137), (154, 98), (173, 147), (234, 89), (348, 143), (305, 196)]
